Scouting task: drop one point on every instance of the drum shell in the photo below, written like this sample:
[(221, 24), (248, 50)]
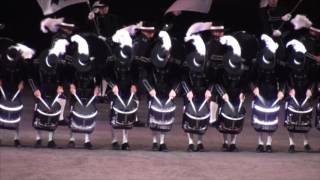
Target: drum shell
[(196, 122), (265, 121), (123, 117), (298, 122), (10, 114), (230, 122), (161, 117), (82, 118), (49, 122)]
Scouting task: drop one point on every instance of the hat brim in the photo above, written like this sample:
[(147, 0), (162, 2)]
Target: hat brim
[(146, 28)]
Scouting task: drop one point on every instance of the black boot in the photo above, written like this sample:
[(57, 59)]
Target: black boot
[(71, 144), (191, 148), (163, 148), (88, 145), (51, 144), (125, 146), (115, 145), (17, 143), (225, 147), (269, 149), (291, 149), (38, 143), (260, 148), (200, 148), (233, 148), (154, 146), (307, 148)]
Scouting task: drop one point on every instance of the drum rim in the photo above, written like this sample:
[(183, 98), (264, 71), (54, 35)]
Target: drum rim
[(125, 112), (10, 121), (232, 118), (167, 123), (265, 123), (92, 115), (265, 109), (290, 108), (171, 109), (49, 114), (11, 109), (79, 127), (198, 118)]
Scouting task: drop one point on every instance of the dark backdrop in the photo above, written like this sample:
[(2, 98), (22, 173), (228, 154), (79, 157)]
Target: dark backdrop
[(22, 17)]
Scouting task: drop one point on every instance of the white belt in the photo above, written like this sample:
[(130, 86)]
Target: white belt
[(266, 110), (198, 118)]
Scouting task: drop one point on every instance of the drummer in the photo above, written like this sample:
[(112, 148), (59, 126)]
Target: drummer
[(163, 79), (13, 70)]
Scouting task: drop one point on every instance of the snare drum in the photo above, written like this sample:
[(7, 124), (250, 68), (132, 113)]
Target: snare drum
[(10, 114), (161, 116), (298, 118), (82, 118), (45, 119), (123, 117), (230, 121), (196, 122)]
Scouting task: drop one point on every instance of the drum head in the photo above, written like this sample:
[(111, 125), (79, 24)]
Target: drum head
[(84, 110), (53, 109), (130, 107), (202, 113), (170, 106)]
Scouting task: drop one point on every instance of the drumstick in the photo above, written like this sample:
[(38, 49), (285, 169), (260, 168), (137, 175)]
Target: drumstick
[(261, 99), (192, 105), (230, 105), (91, 100), (275, 102), (124, 105), (15, 95), (2, 92), (55, 99), (158, 101), (295, 100), (130, 98), (44, 103), (202, 105), (78, 99), (169, 99), (305, 100)]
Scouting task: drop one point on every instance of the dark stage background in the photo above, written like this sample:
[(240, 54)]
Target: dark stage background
[(22, 17)]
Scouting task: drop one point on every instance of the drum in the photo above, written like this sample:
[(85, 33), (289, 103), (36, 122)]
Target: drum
[(46, 119), (82, 118), (123, 116), (317, 124), (10, 114), (161, 116), (196, 122), (265, 117), (230, 120), (298, 118)]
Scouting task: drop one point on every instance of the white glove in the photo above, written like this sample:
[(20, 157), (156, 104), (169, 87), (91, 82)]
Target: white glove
[(276, 33), (91, 15), (286, 17)]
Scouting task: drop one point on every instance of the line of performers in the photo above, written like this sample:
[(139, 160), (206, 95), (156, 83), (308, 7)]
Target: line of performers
[(210, 70)]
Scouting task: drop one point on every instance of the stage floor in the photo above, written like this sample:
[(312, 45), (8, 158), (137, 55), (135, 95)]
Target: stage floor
[(141, 163)]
